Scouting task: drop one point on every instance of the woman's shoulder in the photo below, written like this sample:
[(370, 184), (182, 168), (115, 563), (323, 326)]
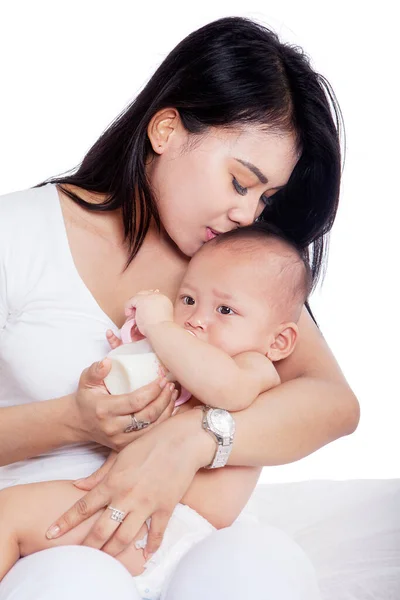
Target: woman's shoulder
[(27, 213), (29, 202)]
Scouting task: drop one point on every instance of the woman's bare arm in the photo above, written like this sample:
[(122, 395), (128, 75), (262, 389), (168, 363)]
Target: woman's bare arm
[(90, 414), (31, 429)]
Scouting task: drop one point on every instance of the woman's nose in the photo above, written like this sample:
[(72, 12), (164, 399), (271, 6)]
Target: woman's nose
[(245, 212)]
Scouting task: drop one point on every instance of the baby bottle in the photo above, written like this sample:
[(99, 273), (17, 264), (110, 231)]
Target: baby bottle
[(135, 364)]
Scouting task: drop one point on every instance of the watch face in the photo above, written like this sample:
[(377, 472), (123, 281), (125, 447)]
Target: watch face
[(222, 421)]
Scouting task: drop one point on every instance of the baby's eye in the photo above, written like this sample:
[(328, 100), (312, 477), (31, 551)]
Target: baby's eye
[(188, 300), (225, 310), (240, 190)]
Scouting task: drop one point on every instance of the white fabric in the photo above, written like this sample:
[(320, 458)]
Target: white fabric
[(51, 328), (239, 563), (185, 529), (349, 529), (68, 573)]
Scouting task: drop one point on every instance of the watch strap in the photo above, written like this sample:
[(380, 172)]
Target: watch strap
[(221, 456), (224, 444)]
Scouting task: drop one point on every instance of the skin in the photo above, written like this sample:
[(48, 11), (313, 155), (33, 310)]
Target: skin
[(248, 332), (207, 195), (196, 190), (234, 306)]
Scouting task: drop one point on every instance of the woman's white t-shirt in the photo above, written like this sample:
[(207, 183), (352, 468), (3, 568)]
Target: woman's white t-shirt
[(51, 327)]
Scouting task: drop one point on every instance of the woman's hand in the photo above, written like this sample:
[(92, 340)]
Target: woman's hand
[(103, 418), (147, 479), (88, 483)]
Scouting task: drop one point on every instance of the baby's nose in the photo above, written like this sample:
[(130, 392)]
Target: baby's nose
[(196, 321)]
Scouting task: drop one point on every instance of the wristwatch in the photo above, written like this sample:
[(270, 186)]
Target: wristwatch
[(221, 425)]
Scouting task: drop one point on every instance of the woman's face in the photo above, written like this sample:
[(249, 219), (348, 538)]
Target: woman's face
[(214, 183)]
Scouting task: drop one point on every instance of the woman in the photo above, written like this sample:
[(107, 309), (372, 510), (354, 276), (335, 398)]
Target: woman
[(234, 126)]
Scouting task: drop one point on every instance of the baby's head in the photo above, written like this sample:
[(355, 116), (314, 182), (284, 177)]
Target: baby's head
[(244, 291)]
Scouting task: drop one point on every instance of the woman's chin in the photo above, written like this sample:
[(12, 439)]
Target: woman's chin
[(187, 247)]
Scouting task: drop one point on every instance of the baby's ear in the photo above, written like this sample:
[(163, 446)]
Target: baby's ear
[(284, 343)]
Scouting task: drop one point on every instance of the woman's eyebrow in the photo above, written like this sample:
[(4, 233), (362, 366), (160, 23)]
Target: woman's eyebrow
[(254, 170)]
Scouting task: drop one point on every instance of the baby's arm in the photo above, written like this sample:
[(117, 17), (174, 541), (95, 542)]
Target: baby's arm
[(255, 372), (26, 512), (210, 374)]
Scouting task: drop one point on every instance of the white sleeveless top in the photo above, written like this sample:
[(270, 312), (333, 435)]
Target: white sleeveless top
[(51, 327)]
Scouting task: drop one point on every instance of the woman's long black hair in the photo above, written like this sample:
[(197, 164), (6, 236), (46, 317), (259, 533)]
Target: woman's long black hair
[(230, 72)]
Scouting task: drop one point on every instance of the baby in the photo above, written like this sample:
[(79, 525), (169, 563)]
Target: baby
[(241, 297)]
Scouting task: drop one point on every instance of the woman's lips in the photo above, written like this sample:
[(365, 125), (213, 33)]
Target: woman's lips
[(210, 234)]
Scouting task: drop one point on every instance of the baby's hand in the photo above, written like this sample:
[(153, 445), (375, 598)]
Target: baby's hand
[(113, 340), (149, 308)]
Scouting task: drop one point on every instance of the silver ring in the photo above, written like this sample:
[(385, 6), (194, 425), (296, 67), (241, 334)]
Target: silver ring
[(136, 425), (116, 515)]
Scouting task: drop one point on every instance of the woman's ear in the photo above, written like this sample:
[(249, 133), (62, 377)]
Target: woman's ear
[(162, 127), (284, 343)]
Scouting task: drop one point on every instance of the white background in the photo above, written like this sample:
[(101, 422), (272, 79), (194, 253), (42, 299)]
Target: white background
[(68, 68)]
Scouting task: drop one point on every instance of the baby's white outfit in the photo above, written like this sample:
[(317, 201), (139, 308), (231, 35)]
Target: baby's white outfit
[(185, 528)]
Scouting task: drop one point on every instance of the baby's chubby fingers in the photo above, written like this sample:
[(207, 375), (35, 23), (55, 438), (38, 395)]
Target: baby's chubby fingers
[(130, 305), (113, 340)]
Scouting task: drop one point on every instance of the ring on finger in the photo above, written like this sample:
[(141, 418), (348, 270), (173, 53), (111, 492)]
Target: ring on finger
[(116, 514), (136, 425)]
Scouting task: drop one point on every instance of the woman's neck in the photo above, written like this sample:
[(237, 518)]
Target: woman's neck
[(109, 226)]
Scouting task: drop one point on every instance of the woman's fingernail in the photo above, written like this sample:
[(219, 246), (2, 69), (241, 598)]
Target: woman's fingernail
[(163, 383), (53, 532), (171, 387), (175, 396), (99, 365)]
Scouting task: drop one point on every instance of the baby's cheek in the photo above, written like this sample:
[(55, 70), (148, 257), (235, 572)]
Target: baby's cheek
[(225, 340), (179, 314)]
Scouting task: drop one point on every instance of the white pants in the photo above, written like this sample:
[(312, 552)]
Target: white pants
[(238, 563)]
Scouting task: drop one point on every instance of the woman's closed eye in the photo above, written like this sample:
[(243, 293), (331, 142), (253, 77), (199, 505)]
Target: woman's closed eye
[(243, 191), (240, 190), (225, 310)]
